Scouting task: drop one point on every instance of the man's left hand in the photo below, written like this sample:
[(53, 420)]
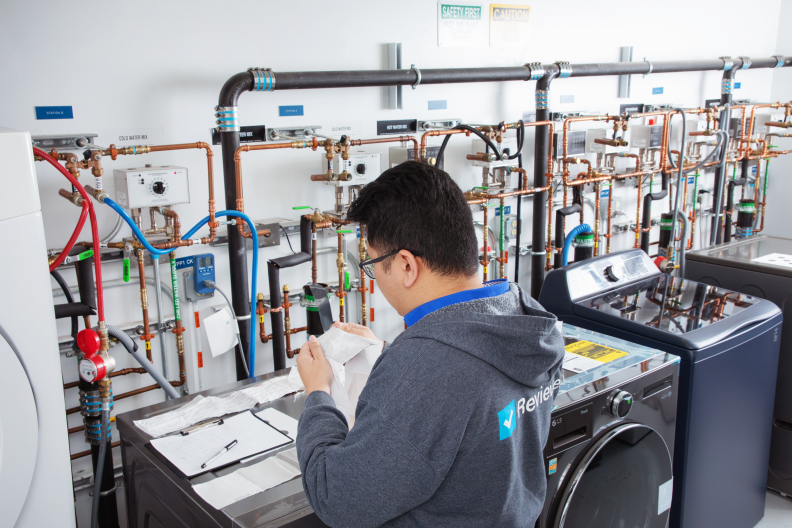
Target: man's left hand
[(314, 368)]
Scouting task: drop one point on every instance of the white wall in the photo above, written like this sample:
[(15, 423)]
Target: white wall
[(159, 66)]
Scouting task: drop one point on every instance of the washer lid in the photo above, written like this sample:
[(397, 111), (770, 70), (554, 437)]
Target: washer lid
[(18, 436), (748, 254)]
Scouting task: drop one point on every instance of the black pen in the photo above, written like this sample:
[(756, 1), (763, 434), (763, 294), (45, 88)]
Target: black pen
[(224, 450)]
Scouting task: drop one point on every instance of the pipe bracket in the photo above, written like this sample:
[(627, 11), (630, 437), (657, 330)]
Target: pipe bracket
[(418, 73), (565, 69), (779, 60), (651, 67), (536, 69), (727, 63), (746, 62), (263, 79), (227, 118)]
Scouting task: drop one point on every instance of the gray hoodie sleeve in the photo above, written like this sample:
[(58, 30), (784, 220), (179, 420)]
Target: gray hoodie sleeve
[(353, 478)]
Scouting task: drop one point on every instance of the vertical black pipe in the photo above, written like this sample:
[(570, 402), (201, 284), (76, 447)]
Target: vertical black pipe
[(519, 221), (646, 220), (237, 252), (727, 84), (541, 150), (727, 234), (558, 258)]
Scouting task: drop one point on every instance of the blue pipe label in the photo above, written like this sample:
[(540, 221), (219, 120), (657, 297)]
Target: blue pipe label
[(691, 180), (737, 86), (657, 91), (54, 112), (507, 210), (440, 104), (291, 110), (604, 193), (184, 262)]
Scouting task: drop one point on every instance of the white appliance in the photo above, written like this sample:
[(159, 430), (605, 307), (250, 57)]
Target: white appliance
[(35, 478)]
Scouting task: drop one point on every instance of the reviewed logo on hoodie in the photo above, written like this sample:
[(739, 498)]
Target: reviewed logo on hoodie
[(507, 420)]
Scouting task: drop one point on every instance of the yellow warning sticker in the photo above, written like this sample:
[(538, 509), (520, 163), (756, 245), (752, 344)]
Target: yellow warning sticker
[(595, 351)]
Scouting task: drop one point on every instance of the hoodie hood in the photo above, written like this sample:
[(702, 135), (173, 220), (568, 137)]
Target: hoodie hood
[(511, 332)]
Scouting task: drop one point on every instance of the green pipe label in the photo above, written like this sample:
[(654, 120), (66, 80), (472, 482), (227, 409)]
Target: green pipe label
[(175, 286), (746, 208), (311, 300), (346, 280), (125, 268), (84, 255), (666, 224)]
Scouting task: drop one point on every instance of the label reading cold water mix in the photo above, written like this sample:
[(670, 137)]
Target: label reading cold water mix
[(582, 356)]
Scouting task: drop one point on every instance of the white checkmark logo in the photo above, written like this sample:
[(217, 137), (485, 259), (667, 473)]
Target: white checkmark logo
[(507, 423)]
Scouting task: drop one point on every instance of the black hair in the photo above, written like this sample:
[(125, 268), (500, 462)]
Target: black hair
[(418, 207)]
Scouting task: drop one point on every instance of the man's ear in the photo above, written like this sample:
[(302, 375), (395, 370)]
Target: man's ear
[(409, 267)]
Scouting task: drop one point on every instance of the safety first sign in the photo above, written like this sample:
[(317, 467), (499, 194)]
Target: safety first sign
[(508, 27)]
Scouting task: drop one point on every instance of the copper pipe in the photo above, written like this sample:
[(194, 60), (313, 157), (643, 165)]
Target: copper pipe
[(485, 261), (596, 218), (609, 234), (260, 311), (549, 246), (122, 372), (240, 202), (147, 335), (362, 286), (638, 214), (291, 332), (753, 115), (286, 320), (403, 139), (340, 293), (81, 454), (179, 330), (314, 271), (437, 133)]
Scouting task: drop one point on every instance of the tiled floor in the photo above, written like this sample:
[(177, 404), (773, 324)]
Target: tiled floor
[(778, 510)]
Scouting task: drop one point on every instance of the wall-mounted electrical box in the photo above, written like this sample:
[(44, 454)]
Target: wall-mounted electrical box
[(508, 143), (151, 186), (576, 143), (646, 136), (761, 120), (364, 167), (692, 125), (596, 133), (397, 155), (735, 127)]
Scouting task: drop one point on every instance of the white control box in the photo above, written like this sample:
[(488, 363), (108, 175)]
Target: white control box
[(692, 125), (646, 136), (365, 167), (761, 120), (151, 186), (596, 133)]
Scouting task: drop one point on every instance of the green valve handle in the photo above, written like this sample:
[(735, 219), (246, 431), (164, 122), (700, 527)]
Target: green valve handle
[(491, 205), (346, 280), (125, 269), (84, 255), (344, 231), (301, 207), (481, 188)]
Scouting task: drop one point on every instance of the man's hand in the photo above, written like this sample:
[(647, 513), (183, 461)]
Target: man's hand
[(313, 367), (362, 331)]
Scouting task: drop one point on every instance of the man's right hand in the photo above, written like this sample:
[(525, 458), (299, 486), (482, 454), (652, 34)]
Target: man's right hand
[(362, 331)]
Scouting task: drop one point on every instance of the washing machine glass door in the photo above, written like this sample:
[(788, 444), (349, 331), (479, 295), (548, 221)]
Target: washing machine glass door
[(18, 436), (624, 479)]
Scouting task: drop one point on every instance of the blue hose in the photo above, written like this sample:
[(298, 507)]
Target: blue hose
[(582, 228), (155, 253)]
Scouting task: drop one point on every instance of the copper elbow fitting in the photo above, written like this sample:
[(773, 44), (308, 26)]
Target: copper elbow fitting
[(327, 176), (99, 195), (345, 176), (488, 157), (74, 198)]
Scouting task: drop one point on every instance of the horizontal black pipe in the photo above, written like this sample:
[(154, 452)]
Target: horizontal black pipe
[(362, 78), (646, 221)]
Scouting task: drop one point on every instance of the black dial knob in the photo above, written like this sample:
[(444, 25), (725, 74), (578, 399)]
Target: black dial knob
[(158, 187), (361, 168), (621, 403), (613, 273)]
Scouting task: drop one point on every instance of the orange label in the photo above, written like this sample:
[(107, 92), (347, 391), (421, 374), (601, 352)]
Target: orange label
[(371, 288), (200, 359), (197, 320), (372, 315)]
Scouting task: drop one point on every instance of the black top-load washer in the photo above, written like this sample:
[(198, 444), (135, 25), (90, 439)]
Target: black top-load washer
[(728, 344), (760, 266)]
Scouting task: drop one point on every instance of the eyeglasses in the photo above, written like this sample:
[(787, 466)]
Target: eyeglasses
[(368, 265)]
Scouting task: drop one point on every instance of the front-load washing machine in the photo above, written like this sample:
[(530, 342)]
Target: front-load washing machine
[(610, 448), (728, 344)]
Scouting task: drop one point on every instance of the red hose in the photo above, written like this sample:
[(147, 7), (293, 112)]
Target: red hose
[(73, 239), (94, 228)]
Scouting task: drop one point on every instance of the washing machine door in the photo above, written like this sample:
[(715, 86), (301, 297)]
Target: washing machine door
[(624, 479), (18, 436)]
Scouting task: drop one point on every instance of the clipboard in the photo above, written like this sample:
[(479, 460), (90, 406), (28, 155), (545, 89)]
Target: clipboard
[(184, 454)]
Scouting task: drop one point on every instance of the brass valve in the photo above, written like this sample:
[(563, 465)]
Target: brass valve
[(617, 142)]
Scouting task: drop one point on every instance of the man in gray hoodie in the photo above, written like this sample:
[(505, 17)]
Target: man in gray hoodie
[(450, 428)]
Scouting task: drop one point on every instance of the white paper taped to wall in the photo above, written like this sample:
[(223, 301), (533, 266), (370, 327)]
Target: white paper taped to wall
[(222, 332), (351, 357)]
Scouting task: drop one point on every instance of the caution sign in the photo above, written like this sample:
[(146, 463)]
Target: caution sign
[(461, 24), (585, 355), (509, 25)]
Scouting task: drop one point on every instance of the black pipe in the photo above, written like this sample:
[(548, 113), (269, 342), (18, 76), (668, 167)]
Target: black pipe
[(646, 221), (108, 507), (69, 299), (541, 151), (519, 220), (727, 84), (558, 258), (86, 287), (727, 234), (273, 274)]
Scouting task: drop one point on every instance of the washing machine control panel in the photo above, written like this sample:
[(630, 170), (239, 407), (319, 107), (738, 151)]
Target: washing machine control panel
[(620, 403), (603, 273)]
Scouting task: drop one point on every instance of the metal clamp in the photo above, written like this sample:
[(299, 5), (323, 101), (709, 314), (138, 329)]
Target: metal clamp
[(727, 63), (536, 69), (227, 118), (565, 69), (542, 99), (727, 85), (746, 62), (243, 317), (263, 79), (651, 67), (418, 73), (779, 61), (538, 253)]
